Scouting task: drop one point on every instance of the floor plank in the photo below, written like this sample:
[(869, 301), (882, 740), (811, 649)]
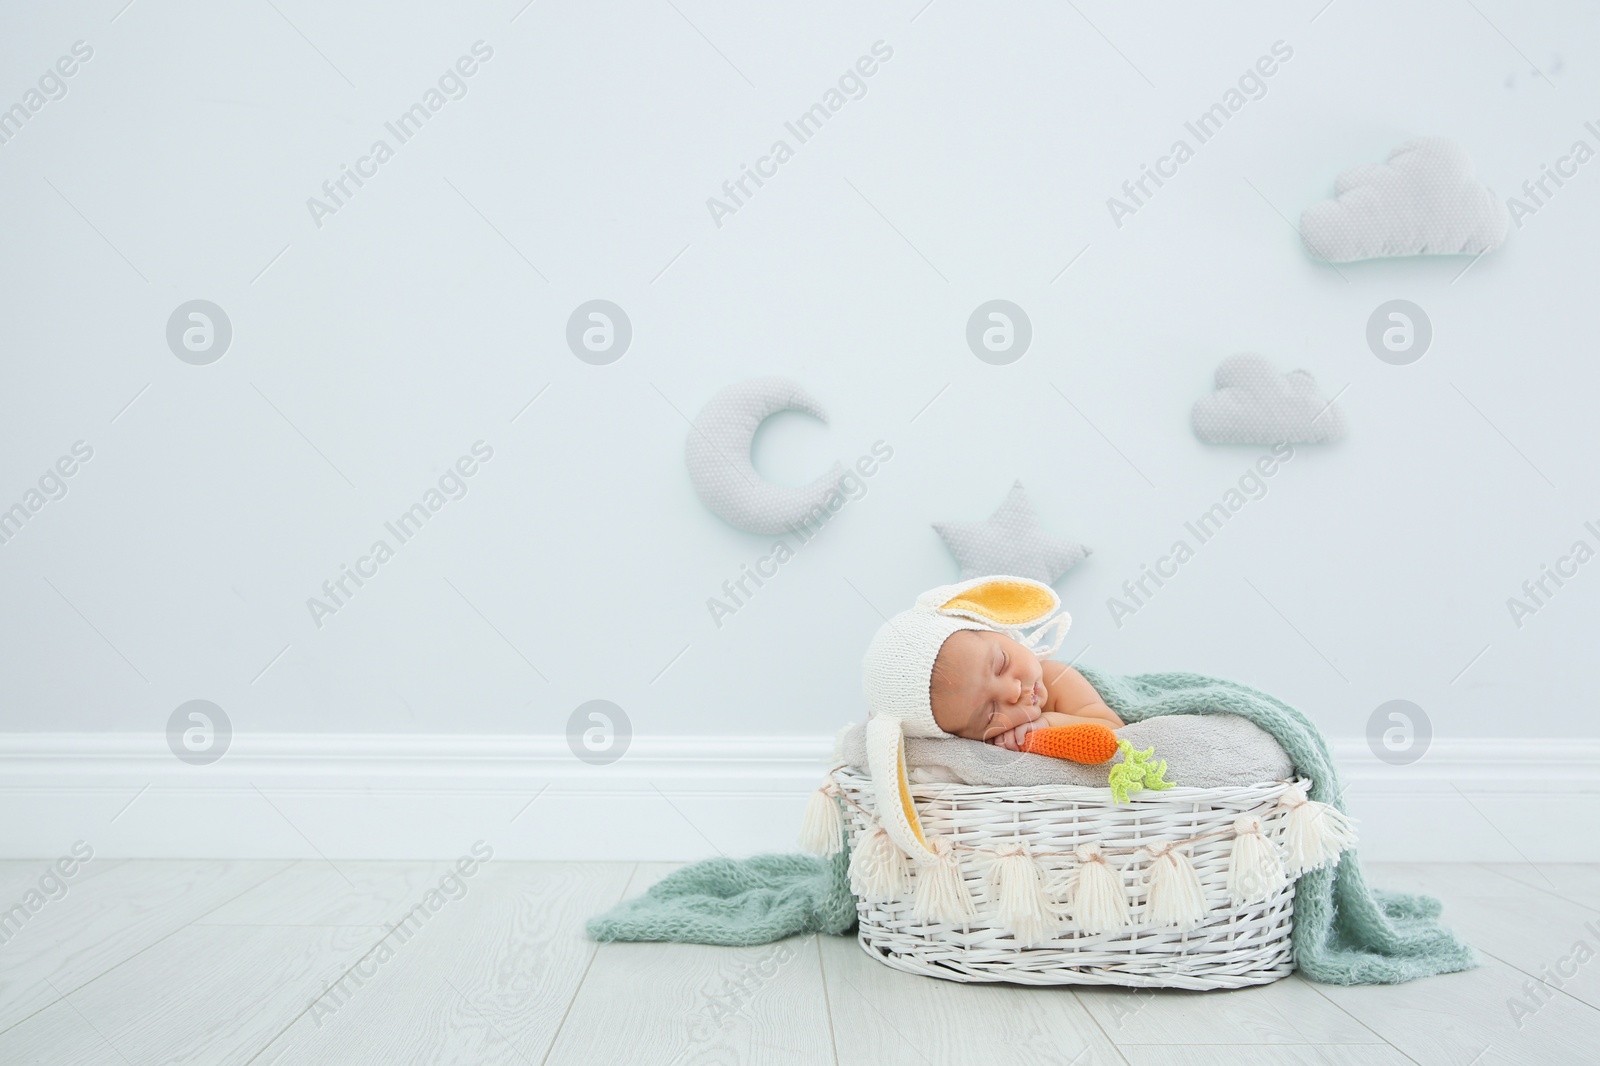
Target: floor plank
[(1285, 1012), (206, 994), (1579, 883), (312, 892), (113, 910), (686, 1004), (1459, 1018), (646, 874), (208, 962), (1517, 927), (1447, 879), (695, 1003), (17, 876), (1550, 939), (883, 1016), (1517, 921), (486, 980), (1264, 1055)]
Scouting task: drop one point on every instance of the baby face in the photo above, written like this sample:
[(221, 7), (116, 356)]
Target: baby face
[(985, 683)]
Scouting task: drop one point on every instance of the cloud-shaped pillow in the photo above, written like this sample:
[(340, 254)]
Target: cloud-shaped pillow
[(1254, 404), (1423, 201)]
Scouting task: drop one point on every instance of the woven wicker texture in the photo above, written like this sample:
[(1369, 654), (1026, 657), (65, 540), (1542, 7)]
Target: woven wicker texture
[(1234, 946)]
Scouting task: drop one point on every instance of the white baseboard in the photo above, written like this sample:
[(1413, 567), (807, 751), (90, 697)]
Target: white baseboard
[(669, 798)]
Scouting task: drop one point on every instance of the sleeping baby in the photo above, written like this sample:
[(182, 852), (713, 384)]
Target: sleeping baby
[(957, 664), (987, 686), (961, 663)]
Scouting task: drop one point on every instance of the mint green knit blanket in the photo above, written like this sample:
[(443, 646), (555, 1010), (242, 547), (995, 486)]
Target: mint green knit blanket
[(1345, 932)]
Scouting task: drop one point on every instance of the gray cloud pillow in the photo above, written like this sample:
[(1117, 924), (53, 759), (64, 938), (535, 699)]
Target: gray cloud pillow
[(1423, 201), (1254, 404)]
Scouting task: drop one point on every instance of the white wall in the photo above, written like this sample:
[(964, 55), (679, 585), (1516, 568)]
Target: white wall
[(406, 328)]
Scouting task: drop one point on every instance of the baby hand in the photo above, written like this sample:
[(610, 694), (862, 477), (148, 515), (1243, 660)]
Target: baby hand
[(1011, 739)]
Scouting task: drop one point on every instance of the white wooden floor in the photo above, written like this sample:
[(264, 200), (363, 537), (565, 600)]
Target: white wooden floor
[(258, 962)]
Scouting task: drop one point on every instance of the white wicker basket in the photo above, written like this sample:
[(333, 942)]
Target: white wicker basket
[(1233, 947)]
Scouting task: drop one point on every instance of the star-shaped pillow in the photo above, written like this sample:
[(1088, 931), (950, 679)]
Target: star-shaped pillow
[(1011, 542)]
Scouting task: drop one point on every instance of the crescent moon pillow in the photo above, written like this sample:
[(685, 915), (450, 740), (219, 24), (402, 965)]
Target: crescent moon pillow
[(718, 455)]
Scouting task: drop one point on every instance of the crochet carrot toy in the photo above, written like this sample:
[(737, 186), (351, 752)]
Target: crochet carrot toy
[(1085, 742), (1092, 743)]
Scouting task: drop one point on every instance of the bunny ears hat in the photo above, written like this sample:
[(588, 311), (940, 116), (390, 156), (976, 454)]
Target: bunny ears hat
[(898, 668)]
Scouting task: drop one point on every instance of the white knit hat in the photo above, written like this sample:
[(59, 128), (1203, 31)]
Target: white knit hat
[(898, 668)]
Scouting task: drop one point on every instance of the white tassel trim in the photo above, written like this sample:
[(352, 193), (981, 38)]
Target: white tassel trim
[(1175, 896), (941, 895), (877, 866), (1254, 870), (1023, 891), (1315, 834), (822, 828), (1016, 886), (1099, 904)]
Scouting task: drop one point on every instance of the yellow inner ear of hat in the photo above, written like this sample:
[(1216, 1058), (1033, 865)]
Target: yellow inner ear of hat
[(1008, 603), (905, 801)]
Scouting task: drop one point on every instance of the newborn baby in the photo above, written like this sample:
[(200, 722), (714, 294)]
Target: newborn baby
[(986, 686), (961, 662)]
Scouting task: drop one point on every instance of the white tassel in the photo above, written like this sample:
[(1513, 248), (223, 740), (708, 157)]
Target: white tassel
[(822, 828), (1174, 895), (877, 866), (1099, 904), (1254, 871), (1016, 887), (1315, 833), (941, 895)]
